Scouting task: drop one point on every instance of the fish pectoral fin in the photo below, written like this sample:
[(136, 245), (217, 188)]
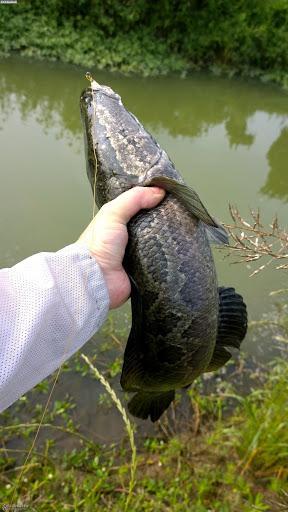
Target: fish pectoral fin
[(217, 235), (186, 196), (133, 371), (232, 326), (220, 357), (145, 404), (133, 367)]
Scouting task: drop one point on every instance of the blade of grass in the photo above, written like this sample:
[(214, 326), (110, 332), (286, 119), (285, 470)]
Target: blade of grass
[(127, 423)]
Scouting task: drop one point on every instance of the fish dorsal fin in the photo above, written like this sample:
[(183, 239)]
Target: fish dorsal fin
[(186, 195), (145, 404), (232, 326), (133, 368), (216, 233)]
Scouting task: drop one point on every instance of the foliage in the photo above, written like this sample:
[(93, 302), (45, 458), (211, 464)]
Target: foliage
[(219, 462), (230, 455), (248, 37), (263, 442)]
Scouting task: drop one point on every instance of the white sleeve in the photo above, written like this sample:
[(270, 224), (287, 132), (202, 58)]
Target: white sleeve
[(50, 305)]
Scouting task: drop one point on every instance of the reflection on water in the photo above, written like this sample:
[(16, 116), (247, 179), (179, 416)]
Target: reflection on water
[(36, 89), (186, 108), (236, 127), (183, 108), (277, 180)]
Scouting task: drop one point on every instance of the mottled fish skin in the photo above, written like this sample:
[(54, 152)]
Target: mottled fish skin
[(168, 254), (170, 259), (123, 148)]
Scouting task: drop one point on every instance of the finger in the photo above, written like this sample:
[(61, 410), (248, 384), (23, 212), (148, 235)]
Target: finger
[(125, 206)]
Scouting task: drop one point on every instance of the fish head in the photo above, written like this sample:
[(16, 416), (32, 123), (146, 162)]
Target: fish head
[(97, 107), (119, 151)]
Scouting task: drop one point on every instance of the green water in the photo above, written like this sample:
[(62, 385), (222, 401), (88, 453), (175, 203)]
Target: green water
[(229, 139)]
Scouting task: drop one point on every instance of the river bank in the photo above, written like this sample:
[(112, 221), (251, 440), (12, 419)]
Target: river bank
[(247, 38), (215, 461), (221, 447)]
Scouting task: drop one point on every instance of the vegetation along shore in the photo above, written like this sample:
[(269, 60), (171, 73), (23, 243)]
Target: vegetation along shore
[(248, 38), (225, 451)]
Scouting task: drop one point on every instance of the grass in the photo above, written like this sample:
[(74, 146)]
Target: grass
[(214, 460), (127, 422), (217, 449)]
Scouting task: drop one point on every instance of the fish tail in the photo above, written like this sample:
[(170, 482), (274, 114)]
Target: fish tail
[(145, 404)]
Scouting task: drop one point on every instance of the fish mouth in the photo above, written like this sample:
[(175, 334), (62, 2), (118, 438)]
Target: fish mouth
[(96, 87)]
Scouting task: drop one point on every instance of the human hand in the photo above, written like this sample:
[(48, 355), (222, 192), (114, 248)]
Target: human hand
[(106, 237)]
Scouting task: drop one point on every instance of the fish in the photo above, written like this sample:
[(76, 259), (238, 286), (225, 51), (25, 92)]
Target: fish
[(183, 323)]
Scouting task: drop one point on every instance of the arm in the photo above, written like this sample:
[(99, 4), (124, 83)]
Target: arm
[(52, 303)]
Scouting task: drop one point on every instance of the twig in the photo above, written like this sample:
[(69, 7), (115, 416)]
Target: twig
[(253, 242)]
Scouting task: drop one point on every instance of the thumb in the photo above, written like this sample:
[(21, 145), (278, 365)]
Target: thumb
[(125, 206)]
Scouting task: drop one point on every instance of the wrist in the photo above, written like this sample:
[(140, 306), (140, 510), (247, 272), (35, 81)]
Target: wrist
[(116, 280)]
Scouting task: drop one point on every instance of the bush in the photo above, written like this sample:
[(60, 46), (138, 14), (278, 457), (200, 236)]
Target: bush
[(249, 36)]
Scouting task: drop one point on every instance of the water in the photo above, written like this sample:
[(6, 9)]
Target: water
[(229, 139)]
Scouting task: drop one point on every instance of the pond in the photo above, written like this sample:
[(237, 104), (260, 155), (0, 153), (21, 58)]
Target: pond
[(228, 138)]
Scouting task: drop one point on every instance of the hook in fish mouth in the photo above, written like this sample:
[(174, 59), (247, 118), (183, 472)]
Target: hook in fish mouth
[(94, 84)]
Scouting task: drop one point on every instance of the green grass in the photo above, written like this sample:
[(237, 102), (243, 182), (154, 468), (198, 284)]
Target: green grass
[(218, 461), (225, 451)]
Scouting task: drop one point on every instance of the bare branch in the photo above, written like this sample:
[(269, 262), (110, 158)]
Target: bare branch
[(254, 242)]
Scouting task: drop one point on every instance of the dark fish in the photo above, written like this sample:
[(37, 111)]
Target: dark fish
[(181, 321)]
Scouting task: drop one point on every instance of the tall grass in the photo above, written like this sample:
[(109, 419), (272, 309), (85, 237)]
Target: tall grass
[(263, 441), (127, 423)]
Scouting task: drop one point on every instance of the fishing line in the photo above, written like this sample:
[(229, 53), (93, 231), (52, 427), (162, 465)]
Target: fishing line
[(68, 343), (91, 80)]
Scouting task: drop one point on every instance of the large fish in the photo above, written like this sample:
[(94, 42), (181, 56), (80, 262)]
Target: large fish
[(181, 321)]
